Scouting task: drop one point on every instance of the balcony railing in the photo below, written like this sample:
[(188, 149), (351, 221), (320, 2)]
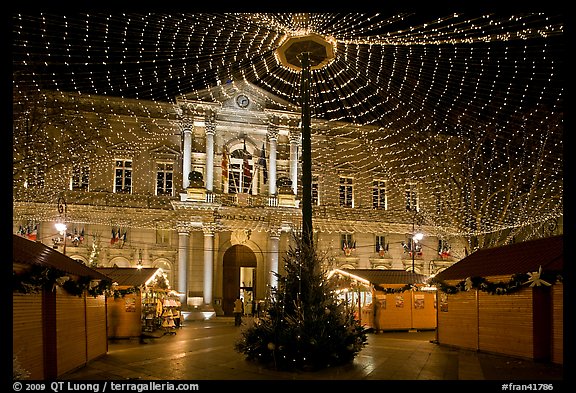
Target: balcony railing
[(239, 199)]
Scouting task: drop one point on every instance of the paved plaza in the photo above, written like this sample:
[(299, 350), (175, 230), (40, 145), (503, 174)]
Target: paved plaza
[(203, 350)]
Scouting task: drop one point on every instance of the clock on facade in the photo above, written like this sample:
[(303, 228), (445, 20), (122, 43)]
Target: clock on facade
[(242, 101)]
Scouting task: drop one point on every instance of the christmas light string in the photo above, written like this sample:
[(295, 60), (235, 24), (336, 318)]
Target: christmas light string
[(413, 87)]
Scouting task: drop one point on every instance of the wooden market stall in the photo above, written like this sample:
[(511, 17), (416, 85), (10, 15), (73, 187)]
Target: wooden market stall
[(402, 298), (142, 304), (506, 300), (58, 311)]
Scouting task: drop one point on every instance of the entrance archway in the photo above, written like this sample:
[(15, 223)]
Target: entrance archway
[(236, 259)]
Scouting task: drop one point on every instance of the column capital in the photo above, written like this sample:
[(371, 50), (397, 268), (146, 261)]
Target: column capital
[(295, 136), (186, 125), (210, 128), (272, 132), (275, 233), (208, 229), (183, 228)]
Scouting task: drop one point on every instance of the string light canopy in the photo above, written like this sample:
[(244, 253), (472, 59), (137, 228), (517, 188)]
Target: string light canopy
[(468, 105)]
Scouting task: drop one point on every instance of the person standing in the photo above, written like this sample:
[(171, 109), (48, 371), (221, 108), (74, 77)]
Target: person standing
[(377, 314), (238, 311)]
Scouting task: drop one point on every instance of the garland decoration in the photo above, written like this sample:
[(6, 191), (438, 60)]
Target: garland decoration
[(39, 278), (516, 282), (118, 293), (407, 287)]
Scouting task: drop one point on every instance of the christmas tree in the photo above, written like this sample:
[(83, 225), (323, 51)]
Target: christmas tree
[(306, 326)]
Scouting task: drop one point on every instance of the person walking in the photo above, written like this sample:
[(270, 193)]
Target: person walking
[(238, 311)]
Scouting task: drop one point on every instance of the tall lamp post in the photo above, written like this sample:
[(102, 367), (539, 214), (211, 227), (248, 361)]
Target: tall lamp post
[(61, 224), (416, 237), (303, 53)]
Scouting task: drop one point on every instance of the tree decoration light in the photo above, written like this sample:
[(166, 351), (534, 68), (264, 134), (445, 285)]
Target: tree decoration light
[(467, 105)]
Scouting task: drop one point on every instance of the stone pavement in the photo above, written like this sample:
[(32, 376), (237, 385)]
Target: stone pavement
[(203, 350)]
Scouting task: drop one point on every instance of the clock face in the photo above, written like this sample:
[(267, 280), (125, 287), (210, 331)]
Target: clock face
[(242, 101)]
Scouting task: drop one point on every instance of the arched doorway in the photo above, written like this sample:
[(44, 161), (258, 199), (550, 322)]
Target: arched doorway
[(239, 276)]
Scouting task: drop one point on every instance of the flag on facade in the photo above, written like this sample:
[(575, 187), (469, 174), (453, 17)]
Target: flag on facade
[(348, 248), (113, 238), (246, 170), (224, 166), (124, 237), (32, 232), (262, 163)]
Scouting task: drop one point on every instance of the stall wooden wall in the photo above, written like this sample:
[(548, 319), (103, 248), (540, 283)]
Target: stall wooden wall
[(55, 332), (424, 310), (557, 296), (506, 323), (527, 323), (70, 332), (125, 316), (458, 319), (97, 342), (400, 313), (27, 338)]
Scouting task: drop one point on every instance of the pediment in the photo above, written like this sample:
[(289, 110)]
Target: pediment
[(346, 169), (122, 148), (164, 152), (230, 95)]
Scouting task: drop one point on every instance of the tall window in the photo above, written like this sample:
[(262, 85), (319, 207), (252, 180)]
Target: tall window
[(346, 191), (123, 176), (315, 194), (443, 248), (347, 241), (240, 172), (35, 176), (163, 236), (411, 197), (80, 178), (380, 243), (164, 178), (379, 194)]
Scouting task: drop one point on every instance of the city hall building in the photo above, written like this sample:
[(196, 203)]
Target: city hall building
[(209, 190)]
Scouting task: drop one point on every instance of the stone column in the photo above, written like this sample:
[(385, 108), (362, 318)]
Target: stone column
[(208, 264), (273, 138), (183, 257), (210, 131), (187, 156), (294, 140), (273, 253)]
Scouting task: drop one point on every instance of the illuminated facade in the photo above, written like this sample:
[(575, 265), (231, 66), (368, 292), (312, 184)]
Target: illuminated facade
[(209, 191)]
